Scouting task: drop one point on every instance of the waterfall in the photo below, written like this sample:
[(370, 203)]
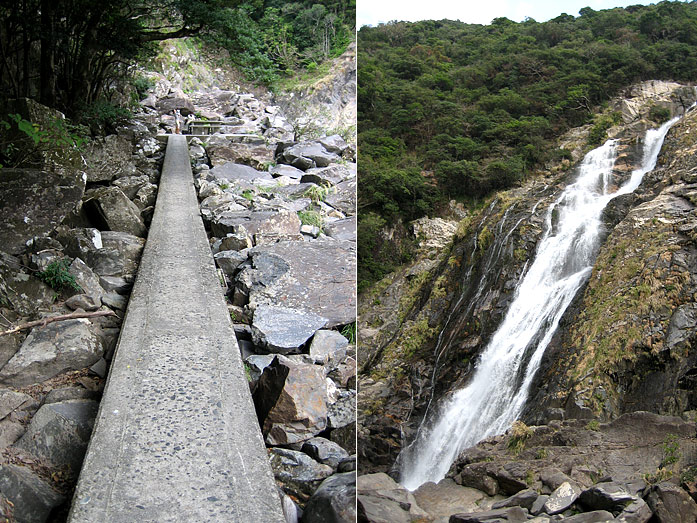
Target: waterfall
[(496, 393)]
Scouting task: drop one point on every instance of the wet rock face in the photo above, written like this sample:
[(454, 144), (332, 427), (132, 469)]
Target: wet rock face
[(627, 344)]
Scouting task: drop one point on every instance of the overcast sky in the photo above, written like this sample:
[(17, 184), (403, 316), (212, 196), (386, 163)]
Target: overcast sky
[(373, 12)]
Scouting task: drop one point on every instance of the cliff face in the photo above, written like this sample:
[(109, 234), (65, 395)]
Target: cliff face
[(628, 343), (627, 335)]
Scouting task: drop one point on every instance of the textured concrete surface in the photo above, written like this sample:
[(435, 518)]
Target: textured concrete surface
[(177, 437)]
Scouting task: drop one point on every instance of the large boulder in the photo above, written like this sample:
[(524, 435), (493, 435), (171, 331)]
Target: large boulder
[(562, 498), (180, 103), (382, 499), (257, 156), (59, 433), (307, 155), (237, 171), (291, 401), (671, 503), (261, 225), (81, 242), (342, 230), (330, 175), (34, 202), (283, 330), (50, 350), (130, 185), (109, 158), (320, 279), (31, 497), (325, 451), (111, 208), (119, 256), (86, 279), (334, 501)]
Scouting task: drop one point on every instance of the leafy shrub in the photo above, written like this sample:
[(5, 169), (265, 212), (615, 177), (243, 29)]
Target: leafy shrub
[(103, 117), (57, 276), (519, 434), (659, 114), (142, 85)]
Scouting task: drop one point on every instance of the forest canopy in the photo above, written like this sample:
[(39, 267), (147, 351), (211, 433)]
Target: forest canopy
[(453, 110), (67, 53)]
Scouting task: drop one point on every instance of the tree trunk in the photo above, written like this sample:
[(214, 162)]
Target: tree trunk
[(47, 62)]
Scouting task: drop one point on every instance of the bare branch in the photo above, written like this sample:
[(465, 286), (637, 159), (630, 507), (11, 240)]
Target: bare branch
[(62, 317)]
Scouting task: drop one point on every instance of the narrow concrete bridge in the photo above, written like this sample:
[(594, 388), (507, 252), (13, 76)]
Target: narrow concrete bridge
[(176, 438)]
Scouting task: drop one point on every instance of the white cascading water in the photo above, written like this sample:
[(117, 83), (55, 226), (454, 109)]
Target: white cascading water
[(497, 392)]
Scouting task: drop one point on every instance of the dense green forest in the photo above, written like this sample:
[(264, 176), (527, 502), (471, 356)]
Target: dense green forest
[(453, 110), (69, 54)]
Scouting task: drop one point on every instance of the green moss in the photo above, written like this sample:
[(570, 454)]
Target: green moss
[(485, 238)]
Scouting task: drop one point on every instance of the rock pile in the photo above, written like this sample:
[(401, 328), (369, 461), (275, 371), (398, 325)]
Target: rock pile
[(564, 471), (281, 216), (72, 237)]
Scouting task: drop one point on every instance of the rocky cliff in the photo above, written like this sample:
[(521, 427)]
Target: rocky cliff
[(623, 344)]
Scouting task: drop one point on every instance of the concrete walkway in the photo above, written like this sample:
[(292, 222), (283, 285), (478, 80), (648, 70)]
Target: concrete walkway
[(177, 437)]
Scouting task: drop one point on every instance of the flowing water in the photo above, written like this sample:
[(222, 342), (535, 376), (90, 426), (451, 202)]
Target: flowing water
[(497, 392)]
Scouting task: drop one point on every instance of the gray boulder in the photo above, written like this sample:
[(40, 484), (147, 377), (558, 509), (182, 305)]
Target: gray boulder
[(320, 279), (81, 243), (59, 433), (85, 278), (334, 144), (342, 230), (236, 171), (286, 170), (334, 501), (283, 330), (84, 302), (130, 185), (343, 197), (636, 512), (111, 207), (11, 400), (298, 473), (382, 499), (180, 103), (229, 261), (342, 412), (562, 498), (120, 255), (291, 401), (671, 503), (326, 345), (31, 497), (613, 497), (258, 224), (525, 498), (307, 155), (146, 196), (33, 203), (325, 451), (330, 175), (597, 516), (48, 351), (109, 158), (254, 155)]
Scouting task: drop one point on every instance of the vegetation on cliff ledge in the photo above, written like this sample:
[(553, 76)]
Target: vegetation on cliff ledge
[(454, 110)]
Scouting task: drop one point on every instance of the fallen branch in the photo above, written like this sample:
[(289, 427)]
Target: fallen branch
[(62, 317)]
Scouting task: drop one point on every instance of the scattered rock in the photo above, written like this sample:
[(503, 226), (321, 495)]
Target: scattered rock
[(236, 172), (525, 498), (342, 230), (23, 292), (383, 500), (326, 345), (446, 497), (84, 302), (612, 497), (109, 158), (120, 255), (86, 279)]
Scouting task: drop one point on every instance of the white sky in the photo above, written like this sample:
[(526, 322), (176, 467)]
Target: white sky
[(373, 12)]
